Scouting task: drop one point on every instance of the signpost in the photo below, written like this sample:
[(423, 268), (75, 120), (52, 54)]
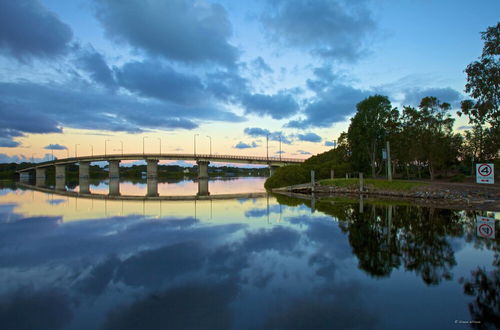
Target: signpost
[(485, 173), (485, 227)]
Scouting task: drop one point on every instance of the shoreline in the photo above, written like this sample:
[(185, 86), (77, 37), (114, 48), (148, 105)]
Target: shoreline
[(435, 194)]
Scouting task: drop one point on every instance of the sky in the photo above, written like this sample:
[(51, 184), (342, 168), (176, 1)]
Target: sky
[(82, 76)]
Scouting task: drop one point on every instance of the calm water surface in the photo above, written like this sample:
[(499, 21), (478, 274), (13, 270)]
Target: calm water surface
[(264, 263)]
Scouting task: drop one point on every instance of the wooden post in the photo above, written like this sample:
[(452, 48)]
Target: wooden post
[(360, 181), (389, 170), (312, 181)]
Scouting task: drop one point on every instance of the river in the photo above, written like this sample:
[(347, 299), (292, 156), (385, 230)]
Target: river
[(270, 262)]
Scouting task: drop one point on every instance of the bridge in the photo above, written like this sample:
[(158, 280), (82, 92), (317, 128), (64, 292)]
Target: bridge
[(152, 168)]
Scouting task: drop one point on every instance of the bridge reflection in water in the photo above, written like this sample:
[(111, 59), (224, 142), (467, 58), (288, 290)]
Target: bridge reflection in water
[(151, 191)]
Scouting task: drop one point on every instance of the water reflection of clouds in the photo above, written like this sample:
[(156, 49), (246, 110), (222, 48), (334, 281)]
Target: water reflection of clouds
[(178, 271)]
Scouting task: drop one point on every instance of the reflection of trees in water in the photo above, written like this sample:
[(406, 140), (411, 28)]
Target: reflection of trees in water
[(485, 286), (384, 237)]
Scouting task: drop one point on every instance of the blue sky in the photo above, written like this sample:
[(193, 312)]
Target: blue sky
[(77, 73)]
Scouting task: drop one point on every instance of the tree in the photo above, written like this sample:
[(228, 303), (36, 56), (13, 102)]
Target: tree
[(483, 82), (429, 132), (369, 129)]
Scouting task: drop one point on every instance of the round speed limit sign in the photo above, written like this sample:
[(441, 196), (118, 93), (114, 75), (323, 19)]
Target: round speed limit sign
[(485, 173)]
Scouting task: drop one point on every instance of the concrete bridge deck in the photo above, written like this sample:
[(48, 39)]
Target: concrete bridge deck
[(270, 161)]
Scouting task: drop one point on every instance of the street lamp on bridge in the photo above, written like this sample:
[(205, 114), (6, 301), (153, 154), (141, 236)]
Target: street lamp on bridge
[(195, 143), (121, 142), (76, 149), (105, 147), (210, 145), (143, 145)]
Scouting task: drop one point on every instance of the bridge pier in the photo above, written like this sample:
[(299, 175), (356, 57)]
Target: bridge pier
[(152, 168), (114, 169), (203, 187), (152, 190), (83, 177), (114, 186), (24, 176), (41, 176), (272, 169), (202, 169), (60, 177)]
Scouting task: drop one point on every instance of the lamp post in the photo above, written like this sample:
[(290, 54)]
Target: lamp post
[(91, 150), (121, 142), (76, 150), (105, 147), (52, 154), (195, 143), (159, 139), (143, 145), (32, 158), (267, 147), (210, 145), (280, 147)]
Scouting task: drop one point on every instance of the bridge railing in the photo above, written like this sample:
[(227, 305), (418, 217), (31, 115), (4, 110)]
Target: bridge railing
[(140, 156)]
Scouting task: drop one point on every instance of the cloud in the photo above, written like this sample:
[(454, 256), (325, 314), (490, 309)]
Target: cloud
[(260, 66), (55, 147), (465, 127), (182, 30), (413, 96), (332, 29), (303, 152), (330, 106), (153, 79), (35, 108), (27, 30), (95, 64), (330, 143), (243, 145), (277, 106), (273, 136), (309, 137), (227, 86), (21, 158)]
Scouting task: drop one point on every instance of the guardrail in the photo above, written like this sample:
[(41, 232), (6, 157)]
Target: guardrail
[(140, 156)]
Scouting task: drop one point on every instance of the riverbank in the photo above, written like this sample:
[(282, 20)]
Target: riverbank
[(439, 194)]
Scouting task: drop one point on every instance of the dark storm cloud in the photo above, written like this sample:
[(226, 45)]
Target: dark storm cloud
[(55, 147), (181, 30), (415, 95), (153, 79), (330, 106), (273, 136), (243, 145), (332, 29), (95, 64), (309, 137), (34, 108), (27, 30), (278, 106)]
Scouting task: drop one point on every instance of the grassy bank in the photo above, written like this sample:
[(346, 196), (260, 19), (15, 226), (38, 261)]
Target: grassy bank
[(379, 184)]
